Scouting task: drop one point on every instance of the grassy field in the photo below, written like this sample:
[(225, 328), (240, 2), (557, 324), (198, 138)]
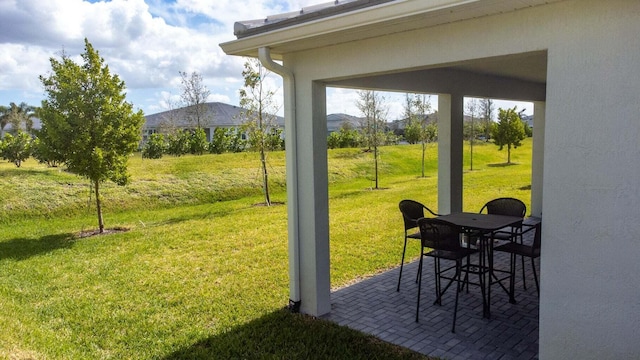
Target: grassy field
[(202, 271)]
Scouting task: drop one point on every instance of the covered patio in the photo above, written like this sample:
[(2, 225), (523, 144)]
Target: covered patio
[(576, 60), (373, 306)]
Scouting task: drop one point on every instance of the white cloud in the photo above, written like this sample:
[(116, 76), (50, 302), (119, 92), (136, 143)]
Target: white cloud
[(145, 42)]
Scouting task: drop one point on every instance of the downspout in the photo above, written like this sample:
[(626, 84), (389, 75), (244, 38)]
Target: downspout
[(291, 148)]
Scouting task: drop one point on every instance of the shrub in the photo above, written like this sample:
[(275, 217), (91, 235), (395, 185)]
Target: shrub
[(45, 154), (221, 140), (155, 147), (198, 142), (16, 148), (178, 143)]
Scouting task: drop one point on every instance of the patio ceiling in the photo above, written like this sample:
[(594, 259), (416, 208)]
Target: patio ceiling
[(514, 77)]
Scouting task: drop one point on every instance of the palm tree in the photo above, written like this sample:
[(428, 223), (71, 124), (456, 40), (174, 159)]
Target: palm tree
[(17, 115), (4, 119)]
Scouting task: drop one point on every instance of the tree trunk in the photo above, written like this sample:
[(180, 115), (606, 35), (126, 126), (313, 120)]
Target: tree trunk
[(509, 154), (96, 185), (265, 176), (375, 157), (424, 150), (471, 144)]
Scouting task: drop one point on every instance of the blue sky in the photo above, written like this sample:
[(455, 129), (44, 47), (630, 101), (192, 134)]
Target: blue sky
[(146, 42)]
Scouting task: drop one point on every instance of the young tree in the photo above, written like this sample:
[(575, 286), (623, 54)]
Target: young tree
[(194, 98), (259, 116), (41, 149), (373, 108), (486, 108), (420, 129), (88, 120), (472, 108), (509, 131), (16, 148), (170, 122)]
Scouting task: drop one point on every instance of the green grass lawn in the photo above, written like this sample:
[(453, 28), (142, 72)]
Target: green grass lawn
[(202, 271)]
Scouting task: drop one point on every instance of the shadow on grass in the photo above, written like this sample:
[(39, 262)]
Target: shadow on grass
[(221, 212), (347, 194), (23, 172), (23, 248), (283, 335), (502, 164)]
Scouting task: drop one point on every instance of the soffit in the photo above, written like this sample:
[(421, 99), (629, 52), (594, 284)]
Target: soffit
[(526, 67)]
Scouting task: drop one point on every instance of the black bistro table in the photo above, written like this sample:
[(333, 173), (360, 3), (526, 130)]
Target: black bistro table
[(485, 225)]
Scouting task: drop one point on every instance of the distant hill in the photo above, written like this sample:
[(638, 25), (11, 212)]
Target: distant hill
[(218, 115), (225, 115), (336, 121)]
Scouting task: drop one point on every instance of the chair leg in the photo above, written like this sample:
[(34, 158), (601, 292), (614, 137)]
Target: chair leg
[(451, 281), (466, 277), (512, 279), (404, 250), (535, 276), (437, 268), (419, 287), (455, 307), (524, 279)]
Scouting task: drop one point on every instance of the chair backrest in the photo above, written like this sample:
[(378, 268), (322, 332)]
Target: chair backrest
[(412, 211), (439, 234), (505, 206)]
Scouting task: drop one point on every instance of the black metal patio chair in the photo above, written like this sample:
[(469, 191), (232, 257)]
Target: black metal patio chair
[(531, 251), (441, 240), (510, 207), (411, 211)]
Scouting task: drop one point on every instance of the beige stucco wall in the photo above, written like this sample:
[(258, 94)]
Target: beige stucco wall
[(590, 301), (590, 296)]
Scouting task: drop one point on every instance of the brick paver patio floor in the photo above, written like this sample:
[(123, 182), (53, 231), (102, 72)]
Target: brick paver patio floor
[(375, 307)]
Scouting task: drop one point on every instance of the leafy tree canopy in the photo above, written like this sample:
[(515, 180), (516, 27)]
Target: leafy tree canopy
[(260, 106), (509, 130), (87, 120), (16, 148)]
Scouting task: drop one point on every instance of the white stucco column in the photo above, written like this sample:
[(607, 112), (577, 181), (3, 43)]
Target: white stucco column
[(537, 161), (311, 203), (450, 113)]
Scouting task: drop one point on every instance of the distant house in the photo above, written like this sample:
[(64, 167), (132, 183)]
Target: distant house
[(528, 119), (336, 121), (224, 115), (398, 126), (215, 115)]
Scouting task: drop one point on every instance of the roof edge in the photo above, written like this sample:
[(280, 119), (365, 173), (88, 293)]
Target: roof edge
[(242, 29)]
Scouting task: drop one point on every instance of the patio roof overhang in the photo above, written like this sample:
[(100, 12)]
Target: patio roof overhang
[(371, 19), (510, 76)]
